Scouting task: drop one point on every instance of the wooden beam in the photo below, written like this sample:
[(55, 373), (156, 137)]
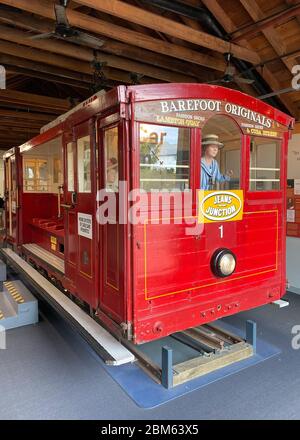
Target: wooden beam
[(64, 62), (17, 81), (292, 3), (266, 23), (16, 17), (15, 97), (244, 87), (28, 74), (26, 116), (271, 34), (91, 24), (266, 73), (44, 68), (19, 130), (28, 22), (21, 125), (170, 27), (86, 54)]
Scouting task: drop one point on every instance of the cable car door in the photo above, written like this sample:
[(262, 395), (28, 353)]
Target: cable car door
[(12, 199), (80, 204), (112, 248)]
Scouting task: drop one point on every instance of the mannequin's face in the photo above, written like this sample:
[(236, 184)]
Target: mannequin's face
[(211, 151)]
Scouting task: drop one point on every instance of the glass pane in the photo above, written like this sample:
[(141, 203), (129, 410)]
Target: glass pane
[(84, 164), (111, 159), (70, 167), (56, 171), (164, 158), (265, 164), (29, 170), (221, 154), (36, 175), (42, 180)]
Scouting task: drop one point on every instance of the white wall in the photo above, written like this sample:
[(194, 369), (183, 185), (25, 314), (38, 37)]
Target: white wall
[(294, 157), (293, 243)]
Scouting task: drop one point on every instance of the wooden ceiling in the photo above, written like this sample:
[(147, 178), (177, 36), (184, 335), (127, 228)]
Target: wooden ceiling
[(145, 41)]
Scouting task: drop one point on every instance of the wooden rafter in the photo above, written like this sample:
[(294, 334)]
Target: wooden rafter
[(271, 35), (169, 27), (28, 22), (266, 73), (91, 24), (87, 55), (65, 62), (28, 100)]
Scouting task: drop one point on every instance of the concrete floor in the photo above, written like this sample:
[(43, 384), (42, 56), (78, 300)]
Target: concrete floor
[(48, 372)]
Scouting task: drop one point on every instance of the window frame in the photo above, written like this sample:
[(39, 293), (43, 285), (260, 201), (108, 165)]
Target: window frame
[(78, 164), (36, 160), (192, 132), (281, 183), (104, 129), (243, 145), (71, 145)]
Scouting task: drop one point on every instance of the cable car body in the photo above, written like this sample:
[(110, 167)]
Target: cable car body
[(141, 145)]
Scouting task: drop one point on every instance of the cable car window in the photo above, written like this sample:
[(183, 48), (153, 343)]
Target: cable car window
[(164, 158), (221, 154), (264, 164), (84, 164), (111, 159), (56, 171), (70, 167), (36, 175)]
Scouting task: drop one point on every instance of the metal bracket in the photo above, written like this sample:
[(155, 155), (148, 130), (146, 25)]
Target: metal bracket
[(251, 333), (167, 367), (281, 303)]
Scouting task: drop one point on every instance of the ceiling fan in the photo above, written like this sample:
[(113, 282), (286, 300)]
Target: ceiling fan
[(64, 31), (230, 75)]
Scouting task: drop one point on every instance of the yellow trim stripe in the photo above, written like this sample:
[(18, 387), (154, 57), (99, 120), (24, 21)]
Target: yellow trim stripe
[(215, 283)]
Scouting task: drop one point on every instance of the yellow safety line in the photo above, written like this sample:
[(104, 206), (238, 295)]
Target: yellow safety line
[(14, 292)]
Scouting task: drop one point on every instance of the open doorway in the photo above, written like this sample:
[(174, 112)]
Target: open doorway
[(42, 187)]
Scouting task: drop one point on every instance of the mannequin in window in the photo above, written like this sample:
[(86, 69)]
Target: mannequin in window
[(210, 171), (112, 181)]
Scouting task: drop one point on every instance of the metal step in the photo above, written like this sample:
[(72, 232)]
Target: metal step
[(6, 308), (109, 348), (46, 256), (18, 306)]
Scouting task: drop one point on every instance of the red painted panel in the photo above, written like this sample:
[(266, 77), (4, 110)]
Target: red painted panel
[(71, 255)]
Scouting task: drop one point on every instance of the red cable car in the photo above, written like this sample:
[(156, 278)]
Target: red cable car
[(161, 207)]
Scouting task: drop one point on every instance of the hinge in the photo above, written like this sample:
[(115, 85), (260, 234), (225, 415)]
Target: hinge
[(127, 330)]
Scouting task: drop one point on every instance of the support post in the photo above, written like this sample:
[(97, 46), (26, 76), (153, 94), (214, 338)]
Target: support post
[(167, 367), (251, 332)]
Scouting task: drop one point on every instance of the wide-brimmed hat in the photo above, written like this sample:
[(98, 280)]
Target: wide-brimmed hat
[(212, 139)]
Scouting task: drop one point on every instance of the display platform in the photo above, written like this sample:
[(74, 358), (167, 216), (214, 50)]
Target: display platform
[(148, 394)]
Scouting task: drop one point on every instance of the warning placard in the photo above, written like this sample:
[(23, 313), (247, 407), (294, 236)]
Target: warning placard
[(85, 225)]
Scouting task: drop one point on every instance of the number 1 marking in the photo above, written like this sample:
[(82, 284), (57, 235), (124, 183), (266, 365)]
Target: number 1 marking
[(221, 231)]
